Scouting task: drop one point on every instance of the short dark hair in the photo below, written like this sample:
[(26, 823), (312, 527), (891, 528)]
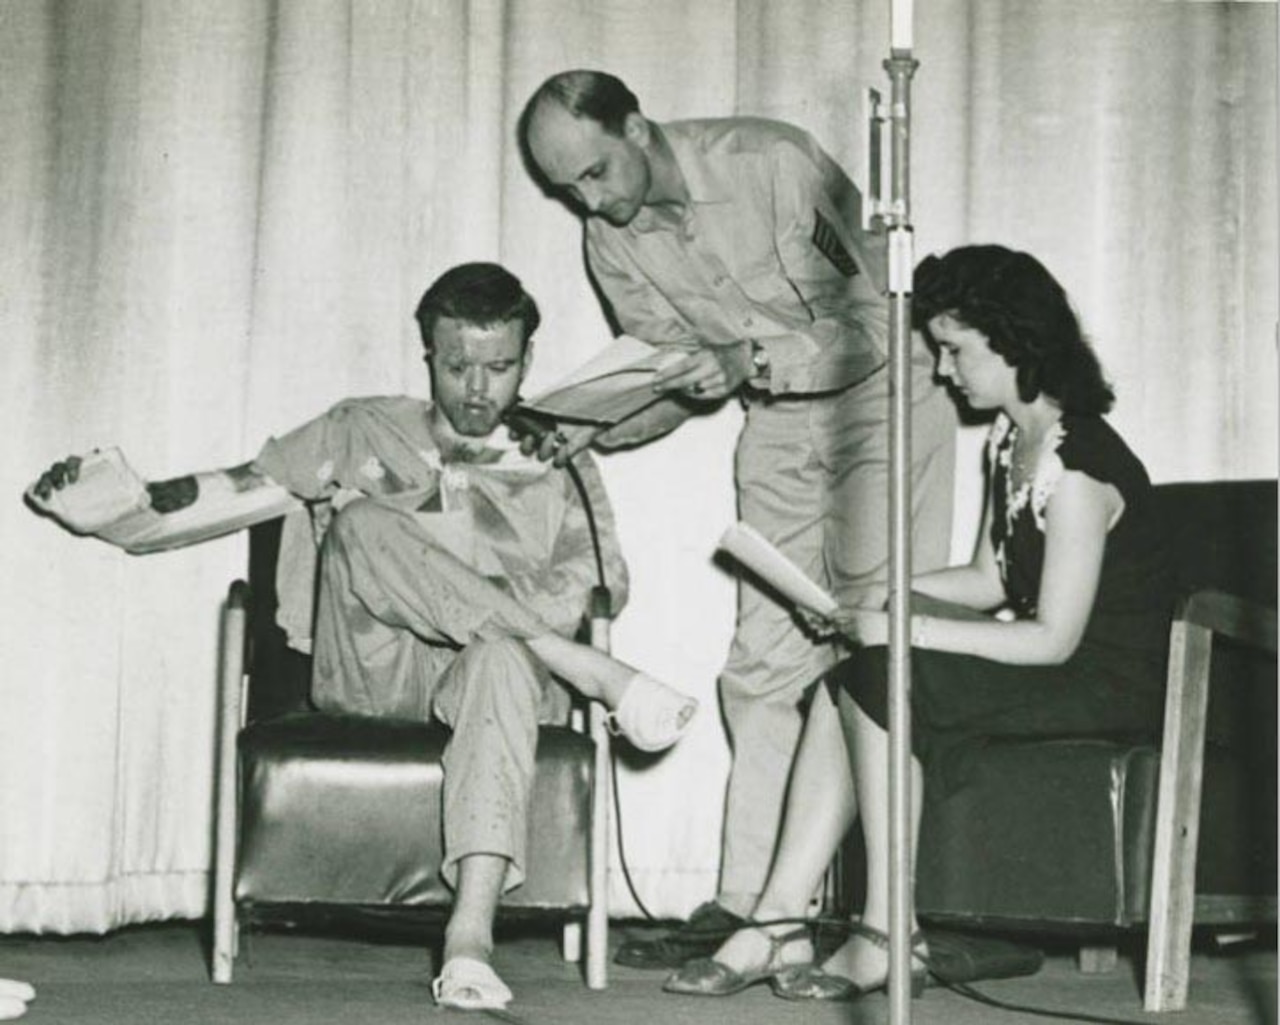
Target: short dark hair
[(597, 95), (1013, 299), (483, 294)]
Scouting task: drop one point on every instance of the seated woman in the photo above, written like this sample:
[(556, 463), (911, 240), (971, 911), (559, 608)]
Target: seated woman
[(1060, 622)]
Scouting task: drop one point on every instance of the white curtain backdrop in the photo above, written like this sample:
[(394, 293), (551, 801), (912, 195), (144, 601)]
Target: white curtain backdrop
[(216, 219)]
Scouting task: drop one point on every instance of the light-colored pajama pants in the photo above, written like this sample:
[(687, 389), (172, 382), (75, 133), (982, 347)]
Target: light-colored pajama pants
[(813, 477), (406, 630)]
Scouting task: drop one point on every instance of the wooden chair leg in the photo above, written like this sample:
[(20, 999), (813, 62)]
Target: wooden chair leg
[(1097, 959), (598, 912), (230, 700), (1177, 820), (571, 942), (601, 797)]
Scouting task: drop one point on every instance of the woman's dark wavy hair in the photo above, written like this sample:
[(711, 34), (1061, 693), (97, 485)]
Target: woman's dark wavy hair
[(1012, 299), (482, 294)]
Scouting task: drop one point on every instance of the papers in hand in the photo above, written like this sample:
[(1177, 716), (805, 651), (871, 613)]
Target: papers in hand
[(110, 501), (753, 550), (610, 387)]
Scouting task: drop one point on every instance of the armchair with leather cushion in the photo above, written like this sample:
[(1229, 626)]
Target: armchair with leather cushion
[(327, 811)]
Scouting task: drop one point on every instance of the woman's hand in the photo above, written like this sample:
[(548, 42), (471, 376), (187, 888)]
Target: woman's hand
[(867, 627), (819, 626), (860, 625), (873, 597)]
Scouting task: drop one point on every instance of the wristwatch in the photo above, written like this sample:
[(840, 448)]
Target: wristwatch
[(759, 362)]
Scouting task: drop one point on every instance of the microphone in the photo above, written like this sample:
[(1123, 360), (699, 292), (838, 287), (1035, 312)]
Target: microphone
[(527, 423)]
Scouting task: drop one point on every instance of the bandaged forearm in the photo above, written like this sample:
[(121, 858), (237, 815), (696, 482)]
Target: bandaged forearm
[(110, 501), (220, 508)]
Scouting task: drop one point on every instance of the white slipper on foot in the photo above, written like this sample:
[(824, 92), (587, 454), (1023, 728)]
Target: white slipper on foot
[(652, 715), (12, 1007), (466, 984)]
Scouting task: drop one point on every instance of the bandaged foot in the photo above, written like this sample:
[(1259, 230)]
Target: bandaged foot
[(467, 984), (14, 997), (652, 715)]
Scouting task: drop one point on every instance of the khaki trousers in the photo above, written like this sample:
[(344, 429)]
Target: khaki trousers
[(813, 477)]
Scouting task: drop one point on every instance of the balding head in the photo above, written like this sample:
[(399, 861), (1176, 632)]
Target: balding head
[(596, 95), (586, 138)]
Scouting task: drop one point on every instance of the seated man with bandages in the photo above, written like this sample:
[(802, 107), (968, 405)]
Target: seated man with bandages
[(453, 574)]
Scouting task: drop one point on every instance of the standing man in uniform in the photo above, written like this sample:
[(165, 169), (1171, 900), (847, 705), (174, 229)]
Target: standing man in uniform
[(739, 242)]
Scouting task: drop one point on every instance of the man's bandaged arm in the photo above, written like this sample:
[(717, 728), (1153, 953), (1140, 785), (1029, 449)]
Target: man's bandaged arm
[(168, 496), (196, 507), (100, 494)]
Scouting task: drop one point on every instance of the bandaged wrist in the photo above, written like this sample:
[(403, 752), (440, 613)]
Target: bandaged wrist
[(919, 631), (220, 508)]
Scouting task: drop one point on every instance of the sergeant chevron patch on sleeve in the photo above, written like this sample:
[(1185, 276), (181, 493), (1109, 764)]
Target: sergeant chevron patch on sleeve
[(828, 242)]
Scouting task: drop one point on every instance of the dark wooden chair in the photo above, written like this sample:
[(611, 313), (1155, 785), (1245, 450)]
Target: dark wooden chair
[(1100, 837), (319, 811)]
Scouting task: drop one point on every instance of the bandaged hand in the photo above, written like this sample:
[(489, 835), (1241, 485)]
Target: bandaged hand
[(58, 476)]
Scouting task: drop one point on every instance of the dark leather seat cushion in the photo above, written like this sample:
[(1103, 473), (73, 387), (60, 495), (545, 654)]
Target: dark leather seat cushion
[(1061, 831), (346, 809)]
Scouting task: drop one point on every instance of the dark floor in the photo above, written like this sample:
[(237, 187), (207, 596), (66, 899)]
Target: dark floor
[(158, 974)]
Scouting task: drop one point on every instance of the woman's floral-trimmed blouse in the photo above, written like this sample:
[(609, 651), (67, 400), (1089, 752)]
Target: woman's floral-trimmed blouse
[(1131, 611)]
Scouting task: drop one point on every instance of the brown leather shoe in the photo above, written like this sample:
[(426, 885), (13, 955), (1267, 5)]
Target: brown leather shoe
[(701, 936)]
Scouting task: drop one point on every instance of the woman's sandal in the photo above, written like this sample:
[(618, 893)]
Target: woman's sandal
[(707, 977), (809, 982), (651, 715)]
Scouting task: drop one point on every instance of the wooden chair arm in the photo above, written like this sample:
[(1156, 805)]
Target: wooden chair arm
[(231, 667), (1177, 831), (1230, 616)]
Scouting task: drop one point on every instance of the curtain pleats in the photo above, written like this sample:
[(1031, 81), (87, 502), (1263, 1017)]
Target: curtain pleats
[(216, 220)]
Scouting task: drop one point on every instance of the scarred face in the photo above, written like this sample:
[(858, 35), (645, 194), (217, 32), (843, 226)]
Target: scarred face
[(605, 175), (476, 372)]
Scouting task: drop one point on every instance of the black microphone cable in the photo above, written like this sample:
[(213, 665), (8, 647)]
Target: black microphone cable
[(538, 426), (602, 594)]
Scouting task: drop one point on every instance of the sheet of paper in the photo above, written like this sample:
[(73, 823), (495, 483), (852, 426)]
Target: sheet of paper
[(753, 550), (608, 388)]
